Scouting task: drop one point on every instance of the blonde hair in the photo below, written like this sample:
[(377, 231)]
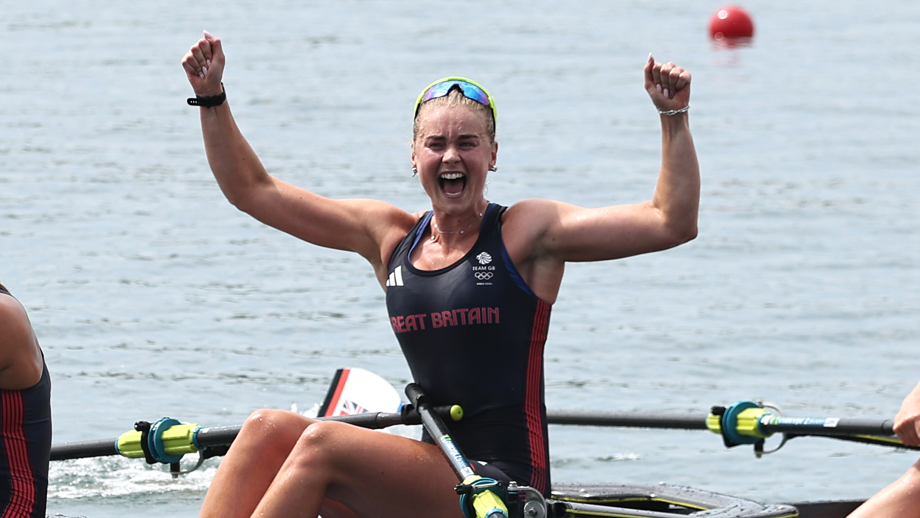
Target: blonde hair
[(456, 98)]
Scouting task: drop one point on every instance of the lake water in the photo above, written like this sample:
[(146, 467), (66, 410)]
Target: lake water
[(153, 297)]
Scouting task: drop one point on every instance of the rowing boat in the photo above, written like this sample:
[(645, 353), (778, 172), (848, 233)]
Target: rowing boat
[(355, 393), (668, 500)]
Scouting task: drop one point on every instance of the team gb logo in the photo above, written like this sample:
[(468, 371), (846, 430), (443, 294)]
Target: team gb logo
[(484, 258)]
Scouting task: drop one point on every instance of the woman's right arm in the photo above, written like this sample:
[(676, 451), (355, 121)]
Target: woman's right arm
[(367, 227)]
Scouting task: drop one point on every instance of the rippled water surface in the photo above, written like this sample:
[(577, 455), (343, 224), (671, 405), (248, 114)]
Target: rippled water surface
[(152, 296)]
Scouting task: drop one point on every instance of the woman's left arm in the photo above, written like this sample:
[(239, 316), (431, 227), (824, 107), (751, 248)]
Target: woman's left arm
[(676, 200), (551, 233)]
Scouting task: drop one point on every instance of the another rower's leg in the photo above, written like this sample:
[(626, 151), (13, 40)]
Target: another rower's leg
[(901, 499), (371, 473), (257, 453)]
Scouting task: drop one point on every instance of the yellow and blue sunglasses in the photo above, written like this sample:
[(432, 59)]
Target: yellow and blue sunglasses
[(470, 89)]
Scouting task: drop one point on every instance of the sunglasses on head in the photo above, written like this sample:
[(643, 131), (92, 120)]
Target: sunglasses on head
[(470, 89)]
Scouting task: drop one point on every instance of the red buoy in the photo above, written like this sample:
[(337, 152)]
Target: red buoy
[(730, 22)]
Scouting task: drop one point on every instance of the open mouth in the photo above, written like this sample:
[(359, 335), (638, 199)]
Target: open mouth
[(452, 184)]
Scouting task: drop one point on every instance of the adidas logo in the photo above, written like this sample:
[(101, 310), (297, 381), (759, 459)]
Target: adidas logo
[(395, 278)]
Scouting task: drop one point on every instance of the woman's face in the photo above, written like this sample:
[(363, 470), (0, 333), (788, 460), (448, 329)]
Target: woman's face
[(453, 154)]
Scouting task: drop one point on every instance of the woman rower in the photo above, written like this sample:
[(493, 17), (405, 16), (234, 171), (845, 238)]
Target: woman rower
[(901, 499), (467, 283), (25, 414)]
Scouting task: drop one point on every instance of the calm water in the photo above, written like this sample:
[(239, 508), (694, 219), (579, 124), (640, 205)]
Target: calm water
[(152, 296)]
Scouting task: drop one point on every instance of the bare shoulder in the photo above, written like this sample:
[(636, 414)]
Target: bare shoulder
[(528, 225), (359, 225), (384, 226), (534, 213), (383, 221), (528, 228), (20, 359), (536, 219), (11, 313), (534, 204), (15, 323)]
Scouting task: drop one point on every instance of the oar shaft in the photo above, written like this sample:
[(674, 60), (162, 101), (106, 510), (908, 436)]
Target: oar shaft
[(217, 436), (627, 420), (479, 499), (831, 426), (81, 450), (436, 429), (377, 420), (224, 435)]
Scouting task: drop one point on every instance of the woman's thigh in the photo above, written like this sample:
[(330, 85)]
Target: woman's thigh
[(379, 474)]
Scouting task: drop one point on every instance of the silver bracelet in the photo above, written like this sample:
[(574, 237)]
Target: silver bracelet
[(685, 109)]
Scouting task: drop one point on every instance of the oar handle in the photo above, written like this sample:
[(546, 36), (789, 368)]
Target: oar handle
[(827, 425)]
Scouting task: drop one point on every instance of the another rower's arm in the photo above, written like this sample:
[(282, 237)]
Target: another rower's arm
[(907, 422), (902, 498), (361, 226)]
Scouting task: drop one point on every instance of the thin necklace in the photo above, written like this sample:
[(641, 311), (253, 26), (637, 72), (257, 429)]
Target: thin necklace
[(435, 224)]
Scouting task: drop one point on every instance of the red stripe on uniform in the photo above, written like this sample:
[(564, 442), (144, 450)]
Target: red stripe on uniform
[(22, 488), (532, 404)]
